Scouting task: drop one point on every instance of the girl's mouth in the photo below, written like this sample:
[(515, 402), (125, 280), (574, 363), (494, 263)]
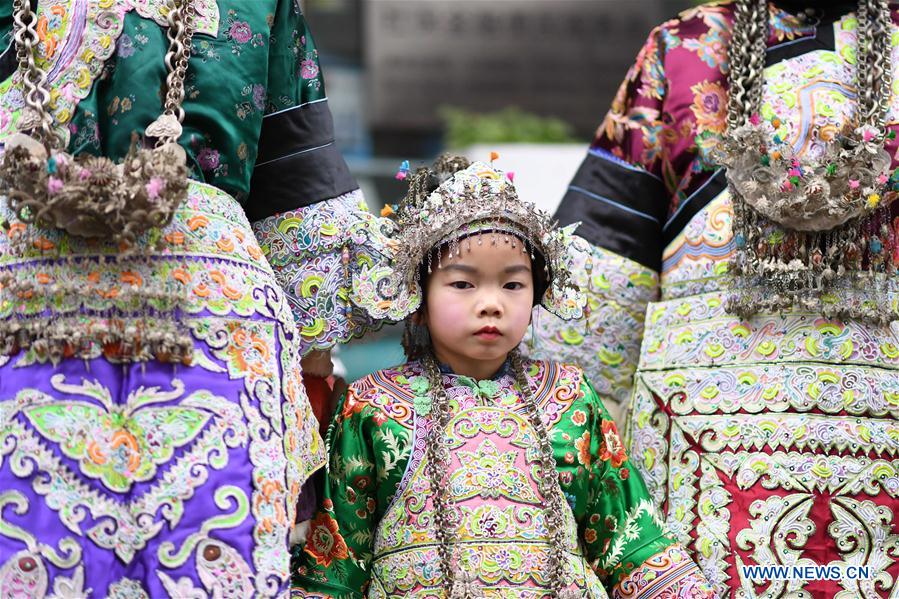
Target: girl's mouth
[(488, 332)]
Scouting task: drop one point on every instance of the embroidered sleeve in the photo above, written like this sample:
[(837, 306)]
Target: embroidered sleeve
[(335, 560), (315, 251), (623, 533), (307, 210), (606, 342), (671, 574)]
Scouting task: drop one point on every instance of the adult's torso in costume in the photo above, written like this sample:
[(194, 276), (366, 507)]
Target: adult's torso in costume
[(375, 535), (121, 473), (768, 440)]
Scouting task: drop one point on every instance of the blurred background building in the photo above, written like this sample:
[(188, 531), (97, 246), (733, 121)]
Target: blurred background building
[(531, 79)]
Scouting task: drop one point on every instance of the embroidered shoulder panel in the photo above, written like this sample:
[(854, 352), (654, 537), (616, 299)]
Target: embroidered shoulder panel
[(395, 392), (387, 392)]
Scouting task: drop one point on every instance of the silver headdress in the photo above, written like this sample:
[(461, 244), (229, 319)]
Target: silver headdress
[(470, 198)]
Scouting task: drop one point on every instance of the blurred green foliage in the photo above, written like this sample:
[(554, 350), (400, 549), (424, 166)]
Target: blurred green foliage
[(509, 125)]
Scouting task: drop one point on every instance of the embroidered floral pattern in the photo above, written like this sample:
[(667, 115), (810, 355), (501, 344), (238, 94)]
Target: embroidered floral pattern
[(804, 409), (612, 448), (490, 473), (709, 106), (325, 543), (315, 252)]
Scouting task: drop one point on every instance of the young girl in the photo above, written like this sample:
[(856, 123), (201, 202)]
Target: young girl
[(470, 471)]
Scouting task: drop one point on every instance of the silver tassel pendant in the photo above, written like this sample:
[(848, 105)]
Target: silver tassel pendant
[(464, 586)]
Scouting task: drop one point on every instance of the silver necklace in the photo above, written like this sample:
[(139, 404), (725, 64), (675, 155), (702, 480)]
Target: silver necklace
[(802, 224)]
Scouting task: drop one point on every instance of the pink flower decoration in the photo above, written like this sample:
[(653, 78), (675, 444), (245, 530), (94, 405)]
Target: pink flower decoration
[(755, 119), (882, 179), (154, 186), (54, 185), (853, 184), (308, 69), (240, 32), (795, 172), (867, 135), (787, 186), (209, 159), (85, 174)]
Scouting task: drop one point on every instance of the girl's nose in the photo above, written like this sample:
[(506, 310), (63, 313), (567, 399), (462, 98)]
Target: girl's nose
[(490, 305)]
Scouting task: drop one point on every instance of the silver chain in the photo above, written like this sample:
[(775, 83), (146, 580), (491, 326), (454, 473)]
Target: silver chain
[(34, 78), (746, 60), (180, 33), (437, 469), (553, 514), (37, 117)]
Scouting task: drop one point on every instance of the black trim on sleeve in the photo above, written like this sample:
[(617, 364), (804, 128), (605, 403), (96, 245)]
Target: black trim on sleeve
[(298, 164), (620, 208), (690, 207)]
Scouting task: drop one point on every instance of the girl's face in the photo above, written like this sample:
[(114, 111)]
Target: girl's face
[(479, 304)]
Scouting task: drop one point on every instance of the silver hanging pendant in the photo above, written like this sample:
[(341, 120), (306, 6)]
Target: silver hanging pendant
[(464, 586)]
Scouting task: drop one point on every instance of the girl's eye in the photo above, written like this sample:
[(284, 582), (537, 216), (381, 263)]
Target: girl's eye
[(514, 285), (461, 285)]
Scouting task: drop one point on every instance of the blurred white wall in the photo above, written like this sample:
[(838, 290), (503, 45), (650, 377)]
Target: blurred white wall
[(542, 171)]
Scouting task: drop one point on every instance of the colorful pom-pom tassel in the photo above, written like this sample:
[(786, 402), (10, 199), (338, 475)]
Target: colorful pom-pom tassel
[(403, 172)]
